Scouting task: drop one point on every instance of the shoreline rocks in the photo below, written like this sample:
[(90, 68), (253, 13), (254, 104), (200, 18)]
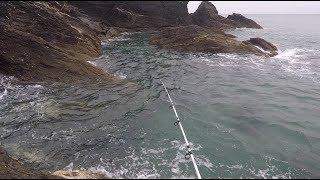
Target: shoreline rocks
[(198, 39), (11, 168), (39, 42)]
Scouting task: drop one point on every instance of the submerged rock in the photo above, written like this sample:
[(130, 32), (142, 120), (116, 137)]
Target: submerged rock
[(241, 21), (198, 39), (77, 174), (11, 168)]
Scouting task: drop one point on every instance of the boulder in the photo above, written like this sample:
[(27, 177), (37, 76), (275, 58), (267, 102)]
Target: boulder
[(265, 45), (11, 168), (241, 21), (198, 39)]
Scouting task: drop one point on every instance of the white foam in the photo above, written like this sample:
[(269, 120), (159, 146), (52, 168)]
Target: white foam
[(267, 52), (289, 54), (2, 95), (92, 63), (115, 39), (294, 54), (121, 75)]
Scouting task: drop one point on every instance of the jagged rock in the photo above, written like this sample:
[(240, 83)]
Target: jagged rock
[(198, 39), (265, 45), (137, 14), (241, 21), (40, 42), (207, 16), (77, 174), (10, 168)]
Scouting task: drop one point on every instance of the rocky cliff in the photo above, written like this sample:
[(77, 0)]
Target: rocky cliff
[(207, 34), (40, 41), (137, 14), (241, 21), (207, 16)]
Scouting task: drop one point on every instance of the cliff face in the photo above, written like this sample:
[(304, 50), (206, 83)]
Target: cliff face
[(39, 41), (137, 14)]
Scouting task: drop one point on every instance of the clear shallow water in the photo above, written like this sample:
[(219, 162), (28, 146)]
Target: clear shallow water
[(246, 116)]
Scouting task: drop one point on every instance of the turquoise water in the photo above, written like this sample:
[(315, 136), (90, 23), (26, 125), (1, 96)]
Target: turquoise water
[(246, 116)]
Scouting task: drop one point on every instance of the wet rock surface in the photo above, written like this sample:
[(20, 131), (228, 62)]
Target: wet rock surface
[(265, 45), (39, 42), (12, 169), (198, 39)]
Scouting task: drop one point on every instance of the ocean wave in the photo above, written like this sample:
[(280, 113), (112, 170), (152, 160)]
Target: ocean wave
[(107, 42), (294, 54)]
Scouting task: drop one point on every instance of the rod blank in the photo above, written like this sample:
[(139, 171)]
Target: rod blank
[(184, 135)]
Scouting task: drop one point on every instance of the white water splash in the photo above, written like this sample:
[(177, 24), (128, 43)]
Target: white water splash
[(5, 93), (293, 55), (92, 63), (120, 75)]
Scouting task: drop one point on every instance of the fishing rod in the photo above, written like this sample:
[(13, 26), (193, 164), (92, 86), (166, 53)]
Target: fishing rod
[(189, 154)]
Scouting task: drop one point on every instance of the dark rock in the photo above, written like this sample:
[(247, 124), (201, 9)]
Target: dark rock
[(40, 42), (10, 168), (265, 45), (207, 8), (207, 16), (198, 39), (241, 21), (137, 14)]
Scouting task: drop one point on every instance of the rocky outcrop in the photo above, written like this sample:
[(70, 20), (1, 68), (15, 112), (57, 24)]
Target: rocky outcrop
[(265, 45), (207, 16), (137, 14), (241, 21), (79, 174), (10, 168), (39, 41), (198, 39)]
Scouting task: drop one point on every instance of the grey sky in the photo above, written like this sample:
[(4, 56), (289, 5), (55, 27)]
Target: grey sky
[(262, 7)]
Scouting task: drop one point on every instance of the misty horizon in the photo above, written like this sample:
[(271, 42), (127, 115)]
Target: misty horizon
[(262, 7)]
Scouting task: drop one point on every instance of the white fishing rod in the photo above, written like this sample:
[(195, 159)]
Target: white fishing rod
[(189, 154)]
